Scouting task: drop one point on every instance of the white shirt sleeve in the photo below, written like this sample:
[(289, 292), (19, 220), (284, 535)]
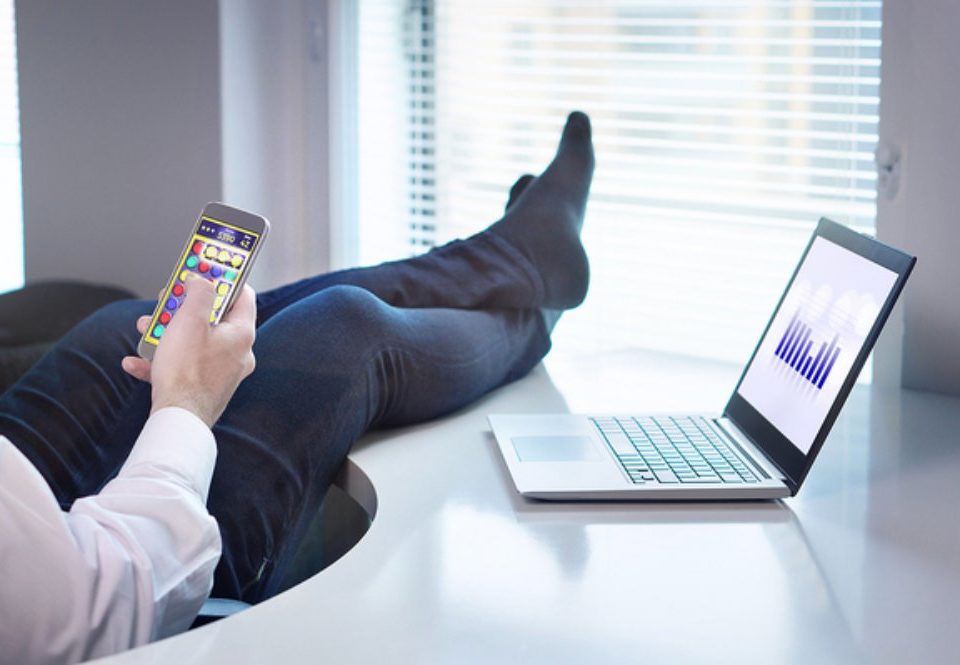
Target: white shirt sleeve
[(126, 566)]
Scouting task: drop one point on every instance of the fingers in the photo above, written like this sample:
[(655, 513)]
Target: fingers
[(198, 302), (144, 321), (244, 310), (136, 367)]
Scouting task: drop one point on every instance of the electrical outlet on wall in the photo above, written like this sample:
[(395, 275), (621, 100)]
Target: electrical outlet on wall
[(888, 160)]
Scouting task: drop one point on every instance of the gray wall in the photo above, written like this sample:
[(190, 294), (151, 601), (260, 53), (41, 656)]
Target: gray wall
[(121, 134), (273, 77), (920, 113)]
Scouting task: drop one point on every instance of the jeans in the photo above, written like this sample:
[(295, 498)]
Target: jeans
[(337, 355)]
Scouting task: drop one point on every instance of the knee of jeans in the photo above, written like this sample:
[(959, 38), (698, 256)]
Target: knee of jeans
[(121, 312), (352, 310), (340, 320), (116, 318)]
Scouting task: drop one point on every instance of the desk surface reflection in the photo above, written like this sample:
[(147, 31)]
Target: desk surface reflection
[(457, 568)]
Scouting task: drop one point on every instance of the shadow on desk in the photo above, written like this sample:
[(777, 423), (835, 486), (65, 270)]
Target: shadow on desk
[(343, 519)]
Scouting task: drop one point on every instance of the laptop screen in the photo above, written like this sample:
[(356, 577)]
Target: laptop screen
[(815, 344), (816, 334)]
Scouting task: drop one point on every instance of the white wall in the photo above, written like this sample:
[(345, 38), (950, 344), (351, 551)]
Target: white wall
[(121, 136), (269, 124), (284, 86), (920, 113)]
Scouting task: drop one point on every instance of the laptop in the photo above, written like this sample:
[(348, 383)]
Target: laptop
[(775, 422)]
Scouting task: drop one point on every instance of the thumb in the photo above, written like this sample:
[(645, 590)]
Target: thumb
[(198, 300)]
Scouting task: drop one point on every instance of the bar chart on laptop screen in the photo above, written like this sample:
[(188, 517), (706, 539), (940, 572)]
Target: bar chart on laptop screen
[(811, 345), (795, 349)]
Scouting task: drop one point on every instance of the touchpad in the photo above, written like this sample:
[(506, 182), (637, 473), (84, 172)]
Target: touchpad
[(554, 448)]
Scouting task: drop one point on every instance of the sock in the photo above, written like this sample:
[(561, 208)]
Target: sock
[(545, 214), (517, 189)]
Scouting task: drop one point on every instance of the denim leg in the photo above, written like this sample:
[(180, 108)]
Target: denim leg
[(332, 362), (330, 367), (76, 413), (481, 272)]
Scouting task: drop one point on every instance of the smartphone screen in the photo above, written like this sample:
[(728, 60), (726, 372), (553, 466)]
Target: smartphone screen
[(217, 251)]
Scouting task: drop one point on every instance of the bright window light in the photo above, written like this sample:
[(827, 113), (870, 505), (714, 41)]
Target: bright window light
[(724, 130), (11, 207)]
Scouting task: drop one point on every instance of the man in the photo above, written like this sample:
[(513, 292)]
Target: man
[(105, 472)]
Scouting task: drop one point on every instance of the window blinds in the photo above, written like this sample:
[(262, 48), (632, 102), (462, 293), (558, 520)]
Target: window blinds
[(724, 129), (11, 215)]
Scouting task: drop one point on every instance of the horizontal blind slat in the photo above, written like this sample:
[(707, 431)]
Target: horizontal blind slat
[(723, 130)]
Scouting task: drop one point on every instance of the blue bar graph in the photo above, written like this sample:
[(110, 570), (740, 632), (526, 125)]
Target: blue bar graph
[(794, 350), (816, 362)]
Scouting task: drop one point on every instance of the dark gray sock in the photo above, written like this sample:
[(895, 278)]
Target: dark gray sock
[(544, 217), (517, 189)]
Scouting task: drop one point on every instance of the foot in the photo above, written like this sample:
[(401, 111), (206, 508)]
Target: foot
[(517, 189), (545, 214)]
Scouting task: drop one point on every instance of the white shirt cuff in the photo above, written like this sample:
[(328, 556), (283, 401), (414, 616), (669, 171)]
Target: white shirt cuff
[(177, 441)]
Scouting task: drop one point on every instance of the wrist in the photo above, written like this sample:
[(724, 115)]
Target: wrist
[(195, 406)]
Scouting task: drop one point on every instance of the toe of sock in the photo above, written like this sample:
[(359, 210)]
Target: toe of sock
[(577, 127), (574, 162)]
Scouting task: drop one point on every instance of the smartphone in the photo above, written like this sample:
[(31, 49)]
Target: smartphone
[(222, 248)]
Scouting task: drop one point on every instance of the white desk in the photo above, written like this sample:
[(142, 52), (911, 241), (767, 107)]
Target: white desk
[(863, 565)]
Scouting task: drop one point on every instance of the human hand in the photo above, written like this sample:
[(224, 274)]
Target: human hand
[(198, 366)]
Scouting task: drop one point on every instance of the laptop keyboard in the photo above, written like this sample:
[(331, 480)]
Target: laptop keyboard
[(672, 450)]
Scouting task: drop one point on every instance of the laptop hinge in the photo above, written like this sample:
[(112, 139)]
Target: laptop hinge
[(766, 466)]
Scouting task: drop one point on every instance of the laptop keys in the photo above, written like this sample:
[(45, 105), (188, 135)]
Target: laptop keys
[(620, 443), (666, 476), (672, 450)]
